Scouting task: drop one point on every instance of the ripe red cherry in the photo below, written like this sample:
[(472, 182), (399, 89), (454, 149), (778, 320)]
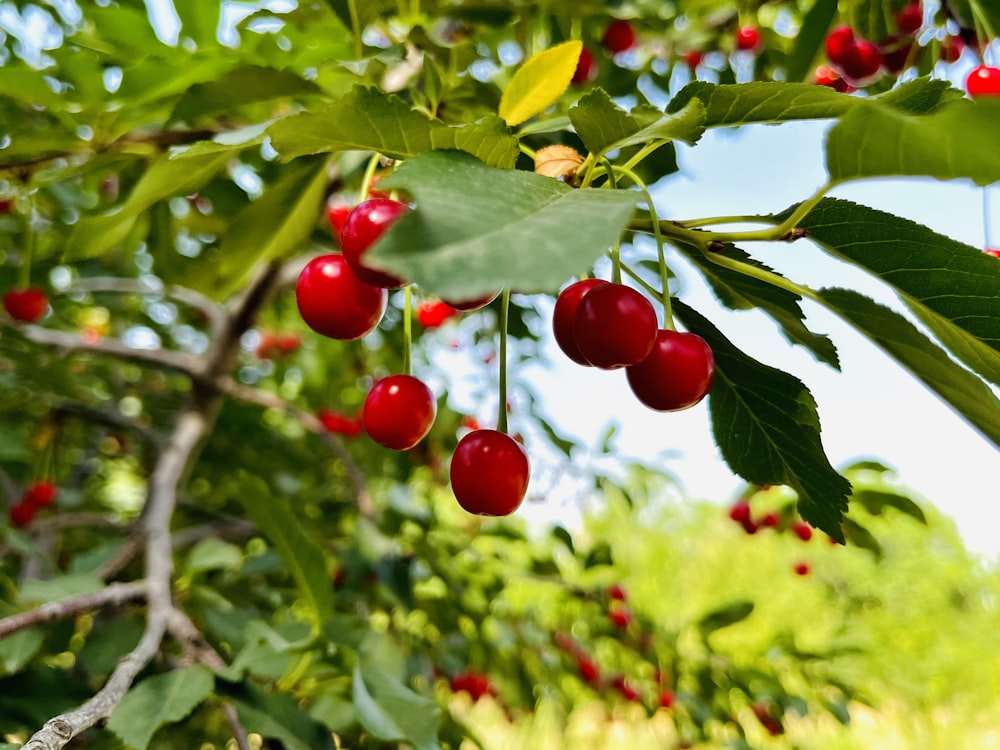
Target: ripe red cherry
[(614, 326), (952, 48), (586, 68), (770, 520), (748, 38), (620, 616), (399, 412), (475, 684), (802, 530), (827, 76), (337, 214), (910, 19), (619, 37), (364, 225), (340, 424), (838, 41), (588, 669), (994, 251), (740, 511), (861, 63), (26, 305), (895, 51), (468, 305), (336, 303), (801, 569), (984, 80), (434, 314), (667, 698), (41, 494), (693, 58), (617, 591), (564, 317), (676, 374), (22, 514), (489, 473)]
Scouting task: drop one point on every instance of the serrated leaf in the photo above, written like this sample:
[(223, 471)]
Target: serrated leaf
[(603, 126), (540, 82), (960, 139), (477, 229), (302, 557), (739, 292), (859, 536), (808, 41), (370, 120), (876, 501), (962, 390), (245, 85), (951, 287), (723, 617), (276, 715), (767, 428), (394, 713), (159, 700)]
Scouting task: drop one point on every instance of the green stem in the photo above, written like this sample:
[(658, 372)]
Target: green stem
[(24, 272), (526, 150), (502, 388), (713, 220), (352, 8), (366, 181), (764, 275), (616, 248), (643, 153), (407, 332), (652, 290)]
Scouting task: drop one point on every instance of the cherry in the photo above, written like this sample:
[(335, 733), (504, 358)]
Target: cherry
[(620, 616), (489, 473), (617, 592), (667, 698), (588, 669), (564, 317), (910, 19), (337, 214), (984, 80), (838, 41), (627, 692), (336, 303), (275, 345), (861, 62), (8, 204), (740, 511), (619, 37), (364, 225), (749, 526), (468, 305), (994, 251), (827, 76), (693, 58), (770, 520), (41, 494), (801, 569), (614, 326), (952, 48), (340, 424), (676, 374), (474, 683), (762, 710), (399, 412), (26, 305), (586, 68), (435, 314), (22, 514), (748, 38), (802, 530), (895, 51)]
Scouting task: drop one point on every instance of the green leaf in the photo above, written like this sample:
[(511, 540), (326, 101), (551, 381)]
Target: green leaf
[(960, 139), (213, 554), (540, 82), (766, 425), (723, 617), (951, 287), (370, 120), (53, 589), (366, 10), (274, 226), (199, 20), (603, 126), (740, 292), (159, 700), (876, 501), (271, 514), (18, 649), (276, 715), (394, 713), (965, 392), (859, 536), (809, 40), (477, 229), (245, 85), (967, 11)]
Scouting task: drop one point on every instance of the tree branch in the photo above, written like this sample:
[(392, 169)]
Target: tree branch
[(114, 594)]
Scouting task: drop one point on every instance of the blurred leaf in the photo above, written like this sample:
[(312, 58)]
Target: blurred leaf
[(808, 42), (199, 20), (18, 649), (562, 443), (562, 535), (869, 465), (36, 590), (393, 712), (876, 501), (276, 715), (859, 536), (725, 616), (213, 554), (36, 695), (539, 82), (600, 554), (248, 84), (159, 700), (107, 644)]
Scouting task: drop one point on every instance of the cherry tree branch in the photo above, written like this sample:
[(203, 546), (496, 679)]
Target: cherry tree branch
[(113, 595)]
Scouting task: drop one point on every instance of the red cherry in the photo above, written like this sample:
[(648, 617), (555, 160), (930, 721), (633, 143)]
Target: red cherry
[(614, 326), (895, 51), (399, 412), (337, 214), (762, 711), (489, 473), (22, 514), (676, 374), (984, 80), (749, 526), (952, 48), (994, 251), (827, 76), (586, 68), (364, 225), (336, 303), (564, 317), (617, 592), (693, 58), (910, 19), (475, 684), (620, 616), (469, 305), (838, 41), (770, 520), (619, 37), (801, 569), (621, 685), (372, 193), (26, 305), (588, 669), (8, 204), (802, 530), (434, 314), (748, 38), (667, 698), (40, 494), (740, 511), (340, 424), (288, 342), (861, 63)]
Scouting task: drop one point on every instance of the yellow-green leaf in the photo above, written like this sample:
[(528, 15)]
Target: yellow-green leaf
[(539, 82)]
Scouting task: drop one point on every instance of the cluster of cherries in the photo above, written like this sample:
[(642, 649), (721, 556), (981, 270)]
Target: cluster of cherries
[(612, 326), (340, 296), (38, 495), (741, 513)]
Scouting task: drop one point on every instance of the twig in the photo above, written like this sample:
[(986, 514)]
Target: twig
[(225, 528), (113, 594), (111, 417)]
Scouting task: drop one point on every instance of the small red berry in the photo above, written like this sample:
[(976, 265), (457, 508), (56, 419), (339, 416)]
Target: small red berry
[(586, 68), (475, 684), (619, 37), (566, 643), (434, 314), (748, 38), (489, 473), (827, 76), (588, 669), (801, 569), (340, 424), (26, 305), (676, 374), (984, 80), (740, 511), (802, 530), (861, 63), (628, 692), (910, 19), (616, 591), (363, 227), (22, 514), (564, 317), (41, 494), (336, 303), (994, 251), (620, 616), (896, 51), (614, 326), (952, 48), (337, 214), (667, 698), (399, 412), (838, 41), (749, 526), (693, 58), (8, 204), (770, 520)]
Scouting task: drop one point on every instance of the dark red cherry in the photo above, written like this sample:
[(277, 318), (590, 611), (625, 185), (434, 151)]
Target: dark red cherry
[(26, 305), (748, 38), (586, 68), (489, 473), (838, 41), (336, 303), (364, 225), (564, 316), (861, 63), (399, 412), (615, 326), (676, 374), (619, 36)]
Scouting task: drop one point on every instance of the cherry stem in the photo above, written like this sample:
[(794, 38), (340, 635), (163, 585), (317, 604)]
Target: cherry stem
[(352, 8), (407, 331), (641, 281), (526, 150), (24, 272), (502, 388), (616, 248), (366, 181)]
